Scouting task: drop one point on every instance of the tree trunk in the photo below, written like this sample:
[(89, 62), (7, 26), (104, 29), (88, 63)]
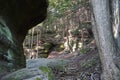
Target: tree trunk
[(102, 29), (116, 25)]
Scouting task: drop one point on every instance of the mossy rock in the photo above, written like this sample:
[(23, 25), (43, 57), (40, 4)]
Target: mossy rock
[(27, 74), (48, 71), (47, 46), (60, 47), (43, 55), (43, 51), (58, 66)]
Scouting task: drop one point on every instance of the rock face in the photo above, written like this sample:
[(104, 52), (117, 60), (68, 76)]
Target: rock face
[(16, 18), (36, 69), (29, 74)]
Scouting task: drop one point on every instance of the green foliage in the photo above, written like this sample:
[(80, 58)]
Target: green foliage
[(84, 50), (75, 31), (60, 6), (59, 9)]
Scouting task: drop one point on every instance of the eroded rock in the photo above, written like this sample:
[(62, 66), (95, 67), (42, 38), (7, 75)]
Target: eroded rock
[(27, 74), (16, 18), (37, 69)]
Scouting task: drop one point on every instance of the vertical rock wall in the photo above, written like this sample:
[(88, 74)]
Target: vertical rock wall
[(16, 18)]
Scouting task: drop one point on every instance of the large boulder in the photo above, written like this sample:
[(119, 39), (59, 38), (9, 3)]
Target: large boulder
[(43, 73), (37, 69), (16, 18)]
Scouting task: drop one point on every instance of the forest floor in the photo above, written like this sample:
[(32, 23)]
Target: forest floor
[(80, 67), (83, 66)]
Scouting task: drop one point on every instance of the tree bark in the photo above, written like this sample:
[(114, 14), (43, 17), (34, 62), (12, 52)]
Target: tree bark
[(116, 19), (102, 29)]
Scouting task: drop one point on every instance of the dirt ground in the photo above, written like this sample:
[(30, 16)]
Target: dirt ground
[(79, 67)]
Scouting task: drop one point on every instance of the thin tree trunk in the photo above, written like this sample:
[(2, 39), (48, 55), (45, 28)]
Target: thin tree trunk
[(37, 42), (103, 33), (31, 51)]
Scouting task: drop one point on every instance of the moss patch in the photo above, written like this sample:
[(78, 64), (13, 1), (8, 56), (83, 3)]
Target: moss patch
[(60, 47), (47, 46), (48, 71), (58, 66), (44, 55), (38, 79)]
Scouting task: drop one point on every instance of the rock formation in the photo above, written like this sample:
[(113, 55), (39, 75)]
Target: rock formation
[(16, 18)]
